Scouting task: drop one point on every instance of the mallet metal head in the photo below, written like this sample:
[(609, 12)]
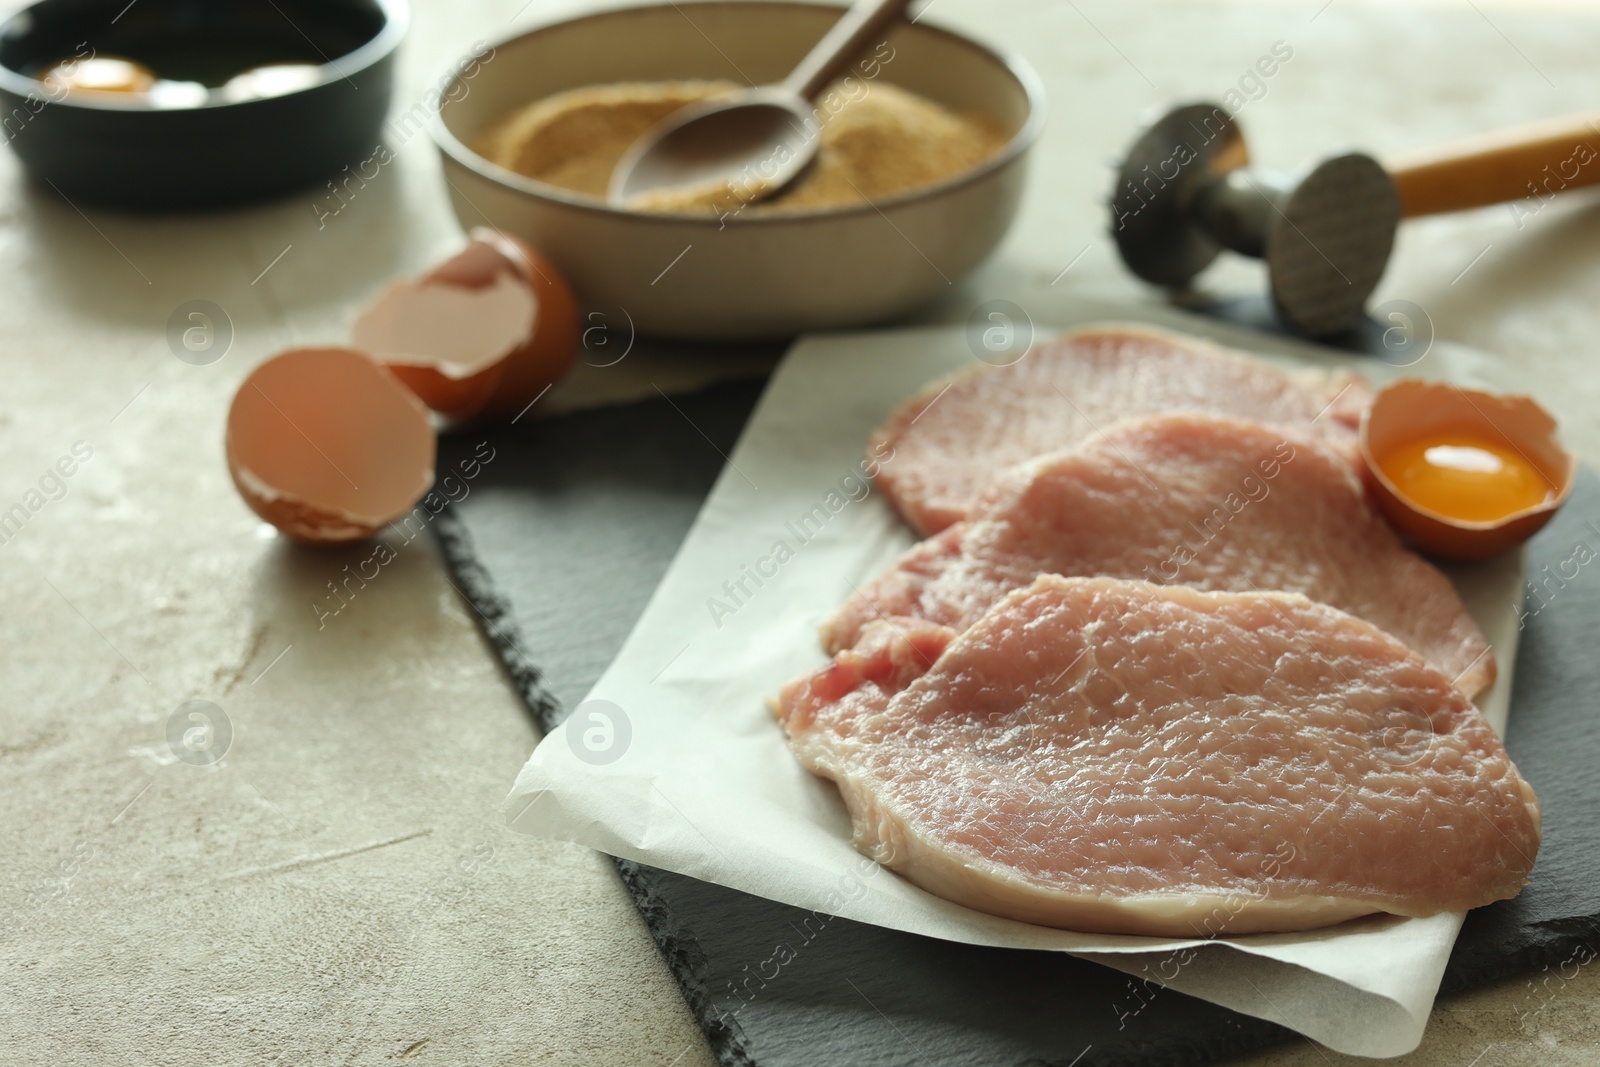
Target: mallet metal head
[(1184, 193)]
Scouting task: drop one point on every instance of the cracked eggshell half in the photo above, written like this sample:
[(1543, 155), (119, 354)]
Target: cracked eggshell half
[(327, 445), (479, 336), (1411, 409)]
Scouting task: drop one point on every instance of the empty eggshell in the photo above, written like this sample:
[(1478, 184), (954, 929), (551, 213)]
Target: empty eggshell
[(482, 334), (327, 445), (447, 342)]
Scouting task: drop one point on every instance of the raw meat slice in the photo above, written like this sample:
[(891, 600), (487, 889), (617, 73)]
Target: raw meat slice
[(1199, 500), (950, 440), (1117, 756)]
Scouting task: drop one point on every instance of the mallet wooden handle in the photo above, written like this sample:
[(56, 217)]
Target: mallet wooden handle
[(1534, 161)]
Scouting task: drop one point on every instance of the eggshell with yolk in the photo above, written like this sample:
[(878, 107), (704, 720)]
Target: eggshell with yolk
[(1411, 409)]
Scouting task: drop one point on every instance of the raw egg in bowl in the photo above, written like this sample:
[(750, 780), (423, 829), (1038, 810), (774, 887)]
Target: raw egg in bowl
[(1462, 473), (181, 105)]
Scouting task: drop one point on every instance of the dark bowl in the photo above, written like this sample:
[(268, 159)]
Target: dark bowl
[(131, 154)]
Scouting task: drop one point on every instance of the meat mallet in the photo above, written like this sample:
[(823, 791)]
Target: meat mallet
[(1185, 192)]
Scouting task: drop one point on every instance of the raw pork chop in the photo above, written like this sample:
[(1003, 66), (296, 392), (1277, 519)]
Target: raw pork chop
[(950, 440), (1117, 756), (1199, 500)]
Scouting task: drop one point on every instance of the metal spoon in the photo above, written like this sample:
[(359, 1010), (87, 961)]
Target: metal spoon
[(761, 137)]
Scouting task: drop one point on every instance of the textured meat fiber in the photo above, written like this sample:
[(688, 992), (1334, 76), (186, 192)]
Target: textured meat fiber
[(1117, 756), (1201, 500), (951, 439)]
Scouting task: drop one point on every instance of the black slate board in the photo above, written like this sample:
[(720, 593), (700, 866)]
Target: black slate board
[(559, 545)]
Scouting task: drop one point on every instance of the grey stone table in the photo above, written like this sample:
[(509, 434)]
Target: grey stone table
[(339, 889)]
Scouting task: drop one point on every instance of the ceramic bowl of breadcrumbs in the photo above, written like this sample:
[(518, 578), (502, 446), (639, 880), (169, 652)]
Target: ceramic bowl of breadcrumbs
[(922, 147)]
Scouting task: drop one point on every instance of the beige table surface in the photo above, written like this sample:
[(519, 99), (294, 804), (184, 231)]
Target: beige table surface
[(339, 889)]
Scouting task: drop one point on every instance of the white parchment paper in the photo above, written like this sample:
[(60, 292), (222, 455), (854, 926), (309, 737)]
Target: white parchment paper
[(688, 772)]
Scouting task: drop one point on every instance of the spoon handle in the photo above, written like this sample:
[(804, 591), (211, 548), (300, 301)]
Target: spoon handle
[(852, 33)]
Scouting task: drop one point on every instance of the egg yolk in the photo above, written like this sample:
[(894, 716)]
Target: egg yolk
[(101, 74), (1466, 476), (274, 80)]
